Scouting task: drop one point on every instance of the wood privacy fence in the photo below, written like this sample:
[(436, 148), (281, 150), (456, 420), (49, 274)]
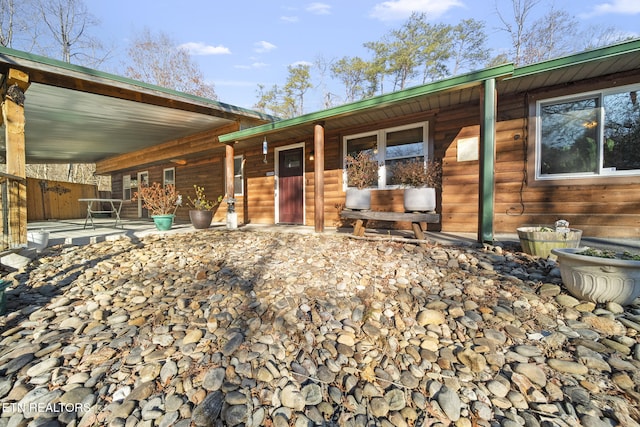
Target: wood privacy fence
[(51, 200)]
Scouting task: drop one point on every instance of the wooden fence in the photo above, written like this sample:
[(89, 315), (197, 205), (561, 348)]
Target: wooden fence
[(51, 200)]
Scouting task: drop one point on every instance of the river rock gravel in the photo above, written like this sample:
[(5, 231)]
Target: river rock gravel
[(258, 328)]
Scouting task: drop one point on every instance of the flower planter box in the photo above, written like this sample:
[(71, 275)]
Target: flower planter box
[(597, 279), (539, 240)]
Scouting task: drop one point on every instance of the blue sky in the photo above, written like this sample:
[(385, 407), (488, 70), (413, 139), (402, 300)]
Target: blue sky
[(241, 43)]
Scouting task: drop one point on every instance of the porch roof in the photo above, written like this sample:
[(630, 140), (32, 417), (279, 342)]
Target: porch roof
[(462, 89), (465, 88), (77, 114)]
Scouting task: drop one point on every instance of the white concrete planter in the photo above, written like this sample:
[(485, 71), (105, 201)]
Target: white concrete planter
[(596, 279), (38, 239), (358, 199), (419, 199)]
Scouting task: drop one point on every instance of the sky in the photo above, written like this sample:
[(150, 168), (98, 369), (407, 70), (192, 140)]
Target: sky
[(239, 44)]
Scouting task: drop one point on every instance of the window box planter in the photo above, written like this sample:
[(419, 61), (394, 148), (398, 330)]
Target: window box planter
[(599, 279), (540, 240)]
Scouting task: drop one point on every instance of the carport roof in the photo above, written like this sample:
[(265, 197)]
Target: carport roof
[(80, 115)]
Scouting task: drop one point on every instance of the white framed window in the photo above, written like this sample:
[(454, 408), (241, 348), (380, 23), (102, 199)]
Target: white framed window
[(594, 134), (390, 146), (169, 176), (129, 186), (126, 187), (238, 176)]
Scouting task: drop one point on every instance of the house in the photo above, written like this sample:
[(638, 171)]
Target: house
[(554, 140), (55, 112), (519, 145)]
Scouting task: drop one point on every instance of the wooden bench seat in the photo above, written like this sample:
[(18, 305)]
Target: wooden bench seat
[(416, 219)]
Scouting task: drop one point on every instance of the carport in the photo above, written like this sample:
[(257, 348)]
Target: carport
[(55, 112)]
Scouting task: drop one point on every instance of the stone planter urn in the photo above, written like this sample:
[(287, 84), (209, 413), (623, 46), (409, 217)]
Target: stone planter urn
[(598, 279), (200, 219), (540, 240), (358, 199), (419, 199)]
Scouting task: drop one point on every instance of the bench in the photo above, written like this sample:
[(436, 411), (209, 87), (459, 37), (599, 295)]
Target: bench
[(416, 219)]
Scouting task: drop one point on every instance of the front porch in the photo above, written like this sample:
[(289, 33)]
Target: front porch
[(72, 232)]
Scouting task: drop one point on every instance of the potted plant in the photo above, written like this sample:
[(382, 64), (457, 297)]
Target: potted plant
[(203, 208), (420, 180), (539, 240), (162, 202), (599, 275), (362, 174)]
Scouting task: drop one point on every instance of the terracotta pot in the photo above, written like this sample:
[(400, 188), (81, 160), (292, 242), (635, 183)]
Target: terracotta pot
[(200, 219), (597, 279)]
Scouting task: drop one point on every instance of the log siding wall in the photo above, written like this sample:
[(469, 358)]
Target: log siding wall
[(610, 209)]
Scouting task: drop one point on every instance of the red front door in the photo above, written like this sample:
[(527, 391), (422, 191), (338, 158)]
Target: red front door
[(290, 186)]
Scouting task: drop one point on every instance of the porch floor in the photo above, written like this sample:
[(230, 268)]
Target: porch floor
[(72, 232)]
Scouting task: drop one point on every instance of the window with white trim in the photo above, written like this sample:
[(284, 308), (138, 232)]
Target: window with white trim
[(589, 135), (238, 176), (169, 176), (126, 187), (390, 146)]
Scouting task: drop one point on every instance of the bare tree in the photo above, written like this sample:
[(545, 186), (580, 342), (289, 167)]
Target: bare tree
[(7, 22), (517, 29), (67, 23), (16, 30), (158, 60), (551, 36)]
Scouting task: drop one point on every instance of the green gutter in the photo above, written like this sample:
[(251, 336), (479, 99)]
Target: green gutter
[(458, 82), (6, 55), (578, 58)]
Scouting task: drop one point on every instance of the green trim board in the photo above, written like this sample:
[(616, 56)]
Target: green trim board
[(458, 82), (599, 54)]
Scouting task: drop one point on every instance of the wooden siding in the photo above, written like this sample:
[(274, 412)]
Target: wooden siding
[(206, 172), (599, 208)]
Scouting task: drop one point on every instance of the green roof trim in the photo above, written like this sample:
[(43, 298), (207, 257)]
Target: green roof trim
[(598, 54), (7, 53), (461, 81)]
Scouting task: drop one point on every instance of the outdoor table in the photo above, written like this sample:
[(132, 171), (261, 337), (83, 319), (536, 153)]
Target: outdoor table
[(116, 205)]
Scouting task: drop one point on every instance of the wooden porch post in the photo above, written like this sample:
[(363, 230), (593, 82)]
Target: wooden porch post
[(16, 83), (232, 216), (318, 174)]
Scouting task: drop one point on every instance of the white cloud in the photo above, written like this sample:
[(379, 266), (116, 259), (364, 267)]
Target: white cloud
[(289, 18), (402, 9), (319, 8), (202, 49), (627, 7), (297, 63), (253, 66), (264, 46)]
